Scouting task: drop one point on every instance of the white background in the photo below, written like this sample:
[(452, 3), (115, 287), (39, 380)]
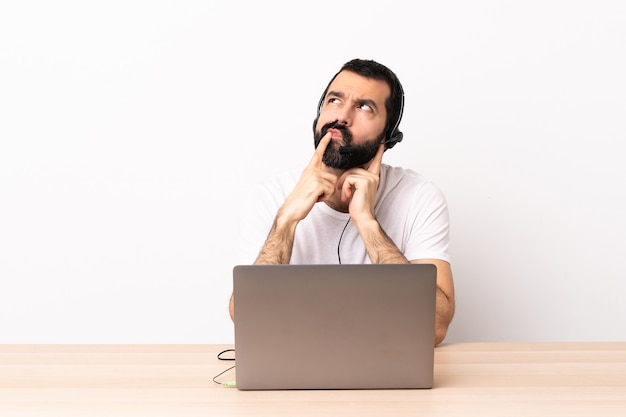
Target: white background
[(129, 131)]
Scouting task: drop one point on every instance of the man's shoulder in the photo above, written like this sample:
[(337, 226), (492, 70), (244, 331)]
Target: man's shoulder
[(396, 179), (395, 174)]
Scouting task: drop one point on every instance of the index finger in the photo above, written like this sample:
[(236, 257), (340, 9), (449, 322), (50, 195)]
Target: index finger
[(316, 160), (374, 167)]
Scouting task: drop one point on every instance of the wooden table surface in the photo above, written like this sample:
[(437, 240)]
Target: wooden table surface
[(471, 379)]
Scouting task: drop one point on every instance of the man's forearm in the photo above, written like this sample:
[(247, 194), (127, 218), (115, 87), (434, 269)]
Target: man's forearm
[(380, 248), (443, 315), (278, 245), (276, 250)]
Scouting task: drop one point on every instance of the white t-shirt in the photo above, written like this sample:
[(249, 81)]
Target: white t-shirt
[(410, 209)]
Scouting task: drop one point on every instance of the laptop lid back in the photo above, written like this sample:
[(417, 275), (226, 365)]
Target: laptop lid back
[(334, 326)]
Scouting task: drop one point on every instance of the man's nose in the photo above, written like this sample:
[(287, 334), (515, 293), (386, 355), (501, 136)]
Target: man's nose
[(345, 115)]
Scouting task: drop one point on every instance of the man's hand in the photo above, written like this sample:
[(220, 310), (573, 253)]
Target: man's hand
[(358, 188), (315, 185)]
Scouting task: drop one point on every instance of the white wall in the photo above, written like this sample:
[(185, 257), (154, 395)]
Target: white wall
[(130, 129)]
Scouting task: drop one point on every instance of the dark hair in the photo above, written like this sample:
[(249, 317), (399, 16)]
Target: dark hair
[(372, 69)]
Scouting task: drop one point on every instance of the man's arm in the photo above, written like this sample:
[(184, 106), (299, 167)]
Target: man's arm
[(276, 250), (279, 244), (381, 250), (444, 304), (315, 185), (359, 188)]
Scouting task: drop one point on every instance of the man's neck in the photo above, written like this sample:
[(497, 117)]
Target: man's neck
[(337, 206)]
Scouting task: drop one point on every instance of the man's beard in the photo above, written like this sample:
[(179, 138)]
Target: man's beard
[(350, 156)]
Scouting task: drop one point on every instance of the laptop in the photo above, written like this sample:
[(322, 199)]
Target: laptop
[(334, 326)]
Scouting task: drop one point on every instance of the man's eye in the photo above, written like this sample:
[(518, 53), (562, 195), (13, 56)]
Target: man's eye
[(365, 107)]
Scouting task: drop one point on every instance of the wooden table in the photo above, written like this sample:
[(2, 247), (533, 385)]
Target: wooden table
[(471, 379)]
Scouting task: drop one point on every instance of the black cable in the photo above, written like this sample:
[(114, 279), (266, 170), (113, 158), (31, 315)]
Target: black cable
[(226, 384), (219, 356), (341, 237)]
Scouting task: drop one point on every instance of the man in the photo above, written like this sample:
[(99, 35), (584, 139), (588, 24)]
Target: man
[(346, 206)]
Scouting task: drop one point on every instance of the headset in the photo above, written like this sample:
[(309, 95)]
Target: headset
[(394, 135)]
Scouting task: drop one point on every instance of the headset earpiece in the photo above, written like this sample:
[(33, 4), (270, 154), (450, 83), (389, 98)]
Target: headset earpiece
[(319, 110), (395, 138)]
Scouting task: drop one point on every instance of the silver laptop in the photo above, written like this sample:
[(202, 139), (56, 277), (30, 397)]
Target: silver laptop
[(334, 326)]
